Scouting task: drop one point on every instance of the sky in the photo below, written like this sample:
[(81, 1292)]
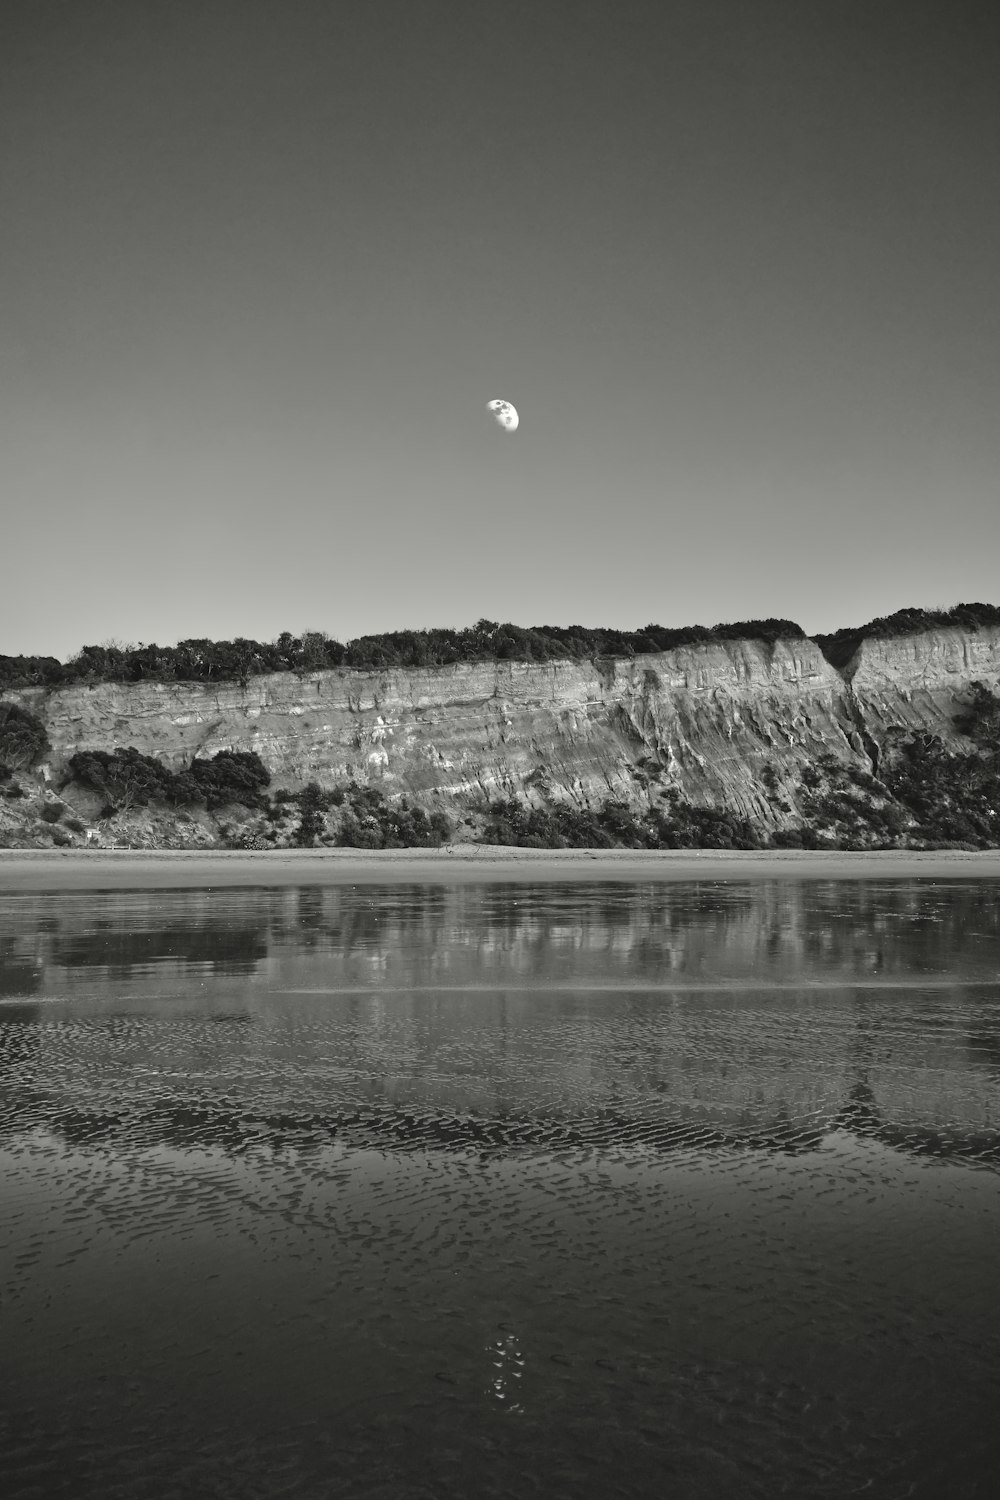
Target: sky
[(263, 263)]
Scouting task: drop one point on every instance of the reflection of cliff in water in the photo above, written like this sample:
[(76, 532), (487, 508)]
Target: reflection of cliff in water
[(771, 932), (780, 932), (762, 1016)]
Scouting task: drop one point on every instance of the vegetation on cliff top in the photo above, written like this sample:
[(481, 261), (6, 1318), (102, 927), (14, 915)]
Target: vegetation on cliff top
[(240, 659), (237, 661), (840, 645)]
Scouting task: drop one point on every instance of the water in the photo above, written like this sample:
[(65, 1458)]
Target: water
[(447, 1191)]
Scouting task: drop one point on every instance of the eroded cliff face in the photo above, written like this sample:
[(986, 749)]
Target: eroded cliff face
[(916, 682), (703, 719)]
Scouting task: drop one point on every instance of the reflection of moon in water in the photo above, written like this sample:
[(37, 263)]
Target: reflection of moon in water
[(505, 414), (507, 1359)]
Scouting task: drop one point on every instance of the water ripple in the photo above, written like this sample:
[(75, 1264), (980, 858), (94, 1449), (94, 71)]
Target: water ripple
[(574, 1191)]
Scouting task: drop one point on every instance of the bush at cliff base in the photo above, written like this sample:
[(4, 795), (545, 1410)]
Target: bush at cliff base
[(126, 778), (614, 825)]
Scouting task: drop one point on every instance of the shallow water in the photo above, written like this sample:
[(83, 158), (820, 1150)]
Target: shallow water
[(568, 1190)]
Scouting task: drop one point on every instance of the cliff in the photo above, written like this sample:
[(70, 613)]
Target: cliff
[(915, 682), (704, 719)]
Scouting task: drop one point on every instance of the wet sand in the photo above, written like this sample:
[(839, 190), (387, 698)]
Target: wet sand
[(76, 869)]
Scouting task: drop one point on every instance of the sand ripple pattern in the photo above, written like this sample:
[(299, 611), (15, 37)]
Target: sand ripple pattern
[(434, 1192)]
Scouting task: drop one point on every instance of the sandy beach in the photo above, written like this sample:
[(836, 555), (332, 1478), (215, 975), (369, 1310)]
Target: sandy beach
[(81, 869)]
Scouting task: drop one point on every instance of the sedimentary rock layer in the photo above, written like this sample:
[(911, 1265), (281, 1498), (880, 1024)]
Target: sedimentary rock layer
[(703, 718)]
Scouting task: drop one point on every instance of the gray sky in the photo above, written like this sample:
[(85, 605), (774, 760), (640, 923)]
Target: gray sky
[(263, 262)]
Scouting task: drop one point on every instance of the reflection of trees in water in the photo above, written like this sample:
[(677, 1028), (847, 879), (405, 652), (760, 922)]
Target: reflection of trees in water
[(317, 916), (533, 925), (226, 950), (18, 975), (121, 932)]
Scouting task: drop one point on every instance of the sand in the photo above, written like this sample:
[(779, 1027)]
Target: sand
[(83, 869)]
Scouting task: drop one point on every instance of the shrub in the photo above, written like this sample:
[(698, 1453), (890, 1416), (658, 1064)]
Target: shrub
[(979, 719), (441, 827), (678, 825), (230, 776), (367, 821), (242, 838), (75, 825), (129, 779), (23, 740), (124, 777), (52, 811), (950, 795), (353, 834), (311, 800)]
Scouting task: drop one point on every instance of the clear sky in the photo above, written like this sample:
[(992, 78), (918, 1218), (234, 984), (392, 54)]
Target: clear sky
[(263, 262)]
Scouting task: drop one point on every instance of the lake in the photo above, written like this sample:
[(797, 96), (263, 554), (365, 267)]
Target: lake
[(444, 1191)]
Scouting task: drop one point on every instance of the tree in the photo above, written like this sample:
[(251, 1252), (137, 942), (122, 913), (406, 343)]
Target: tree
[(311, 801), (23, 739)]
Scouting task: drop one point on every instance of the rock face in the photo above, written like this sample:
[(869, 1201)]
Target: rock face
[(704, 719), (916, 681)]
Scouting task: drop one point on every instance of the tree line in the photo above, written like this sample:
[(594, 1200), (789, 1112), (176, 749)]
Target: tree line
[(238, 660), (203, 660), (840, 645)]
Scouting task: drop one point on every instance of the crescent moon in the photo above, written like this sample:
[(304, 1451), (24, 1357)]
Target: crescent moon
[(504, 414)]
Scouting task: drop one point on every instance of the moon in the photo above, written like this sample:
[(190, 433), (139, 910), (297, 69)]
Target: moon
[(504, 414)]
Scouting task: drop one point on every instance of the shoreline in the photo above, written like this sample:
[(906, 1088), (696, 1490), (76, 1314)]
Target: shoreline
[(83, 869)]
